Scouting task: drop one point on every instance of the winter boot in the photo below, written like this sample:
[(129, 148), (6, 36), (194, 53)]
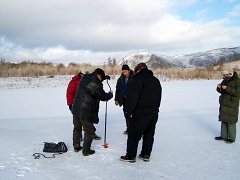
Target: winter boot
[(230, 141), (91, 152), (145, 158), (127, 159), (77, 148), (220, 138), (96, 137)]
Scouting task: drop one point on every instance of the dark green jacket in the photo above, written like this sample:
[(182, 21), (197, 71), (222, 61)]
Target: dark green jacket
[(229, 100)]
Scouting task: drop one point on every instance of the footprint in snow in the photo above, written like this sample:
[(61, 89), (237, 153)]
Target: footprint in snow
[(2, 166), (22, 171)]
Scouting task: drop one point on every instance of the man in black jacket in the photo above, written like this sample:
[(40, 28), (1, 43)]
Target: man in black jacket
[(86, 105), (142, 104), (121, 91)]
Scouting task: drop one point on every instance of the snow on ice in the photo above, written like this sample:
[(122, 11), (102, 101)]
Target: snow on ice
[(184, 147)]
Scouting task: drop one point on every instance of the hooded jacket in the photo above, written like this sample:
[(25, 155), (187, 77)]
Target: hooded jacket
[(144, 94), (229, 100), (72, 89), (86, 103)]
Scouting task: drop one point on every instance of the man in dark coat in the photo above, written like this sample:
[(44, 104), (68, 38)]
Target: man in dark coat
[(77, 129), (142, 104), (121, 91), (229, 106), (86, 105), (70, 94)]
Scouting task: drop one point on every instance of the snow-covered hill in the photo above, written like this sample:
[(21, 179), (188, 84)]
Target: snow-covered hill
[(203, 59), (135, 58), (200, 59)]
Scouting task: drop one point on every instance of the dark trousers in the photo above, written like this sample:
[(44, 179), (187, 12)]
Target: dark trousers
[(77, 131), (128, 119), (88, 135), (228, 130), (141, 125)]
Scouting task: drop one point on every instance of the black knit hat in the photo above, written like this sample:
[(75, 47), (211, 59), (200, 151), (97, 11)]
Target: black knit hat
[(125, 67), (100, 72)]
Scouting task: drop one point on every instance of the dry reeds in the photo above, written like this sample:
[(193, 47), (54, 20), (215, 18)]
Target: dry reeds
[(36, 69)]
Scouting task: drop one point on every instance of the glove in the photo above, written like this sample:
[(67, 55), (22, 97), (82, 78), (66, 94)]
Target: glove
[(108, 77), (70, 107)]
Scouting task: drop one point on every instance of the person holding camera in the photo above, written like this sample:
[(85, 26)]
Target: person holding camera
[(86, 105), (229, 89)]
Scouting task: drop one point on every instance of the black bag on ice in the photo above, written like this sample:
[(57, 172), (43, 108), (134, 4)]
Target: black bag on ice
[(55, 147), (52, 147)]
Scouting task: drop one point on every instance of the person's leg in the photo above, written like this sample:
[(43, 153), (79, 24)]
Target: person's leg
[(88, 136), (232, 131), (148, 135), (95, 136), (127, 119), (224, 130), (80, 132), (77, 132), (138, 125)]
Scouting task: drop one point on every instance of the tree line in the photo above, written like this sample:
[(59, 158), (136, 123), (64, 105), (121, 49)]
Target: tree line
[(36, 69)]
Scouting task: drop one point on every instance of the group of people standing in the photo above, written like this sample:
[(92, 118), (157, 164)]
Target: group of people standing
[(138, 91)]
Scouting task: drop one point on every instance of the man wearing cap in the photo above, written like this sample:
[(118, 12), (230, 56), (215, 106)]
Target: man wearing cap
[(229, 89), (142, 104), (86, 105), (77, 126), (121, 91)]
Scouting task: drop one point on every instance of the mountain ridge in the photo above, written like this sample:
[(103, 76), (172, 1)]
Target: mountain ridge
[(193, 60)]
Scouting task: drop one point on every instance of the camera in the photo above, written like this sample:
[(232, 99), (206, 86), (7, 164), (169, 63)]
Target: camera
[(107, 77)]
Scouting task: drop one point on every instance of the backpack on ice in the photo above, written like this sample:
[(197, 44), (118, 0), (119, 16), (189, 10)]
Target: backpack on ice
[(52, 147), (55, 147)]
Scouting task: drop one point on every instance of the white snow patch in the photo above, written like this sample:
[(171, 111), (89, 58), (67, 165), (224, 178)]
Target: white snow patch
[(184, 146)]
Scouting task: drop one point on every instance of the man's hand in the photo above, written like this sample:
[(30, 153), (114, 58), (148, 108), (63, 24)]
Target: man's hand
[(116, 103), (128, 114), (219, 85), (108, 77)]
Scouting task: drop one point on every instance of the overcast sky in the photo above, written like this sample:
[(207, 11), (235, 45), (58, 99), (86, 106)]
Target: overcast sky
[(90, 31)]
